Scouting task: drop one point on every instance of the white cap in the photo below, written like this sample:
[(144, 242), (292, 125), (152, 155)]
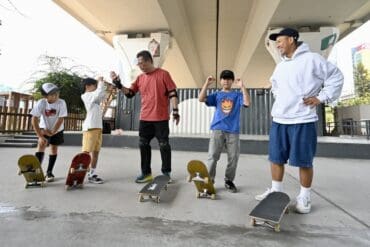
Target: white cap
[(49, 88)]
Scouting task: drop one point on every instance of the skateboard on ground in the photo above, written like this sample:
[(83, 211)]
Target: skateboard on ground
[(270, 210), (77, 171), (154, 188), (198, 173), (31, 169)]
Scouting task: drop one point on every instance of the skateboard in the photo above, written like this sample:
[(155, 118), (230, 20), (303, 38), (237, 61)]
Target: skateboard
[(154, 188), (270, 210), (77, 171), (198, 173), (31, 169)]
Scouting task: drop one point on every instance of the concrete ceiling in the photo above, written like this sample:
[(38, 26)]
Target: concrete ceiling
[(204, 43)]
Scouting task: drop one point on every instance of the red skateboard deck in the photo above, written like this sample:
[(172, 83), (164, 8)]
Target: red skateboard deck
[(77, 171)]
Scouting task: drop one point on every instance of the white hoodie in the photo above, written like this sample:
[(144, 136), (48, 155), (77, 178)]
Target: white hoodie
[(305, 74), (94, 113)]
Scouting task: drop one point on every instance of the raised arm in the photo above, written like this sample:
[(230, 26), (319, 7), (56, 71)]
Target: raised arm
[(203, 93), (246, 98)]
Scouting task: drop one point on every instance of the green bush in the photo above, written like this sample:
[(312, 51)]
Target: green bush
[(70, 89)]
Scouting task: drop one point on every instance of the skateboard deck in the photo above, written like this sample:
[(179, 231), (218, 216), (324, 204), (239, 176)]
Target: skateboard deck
[(154, 188), (31, 169), (270, 210), (198, 173), (77, 171)]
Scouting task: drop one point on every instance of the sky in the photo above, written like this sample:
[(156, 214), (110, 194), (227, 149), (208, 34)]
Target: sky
[(41, 27)]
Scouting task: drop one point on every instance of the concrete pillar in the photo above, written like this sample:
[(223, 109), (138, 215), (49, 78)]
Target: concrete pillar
[(128, 45)]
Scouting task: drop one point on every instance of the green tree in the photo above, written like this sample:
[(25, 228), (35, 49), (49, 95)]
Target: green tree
[(362, 80), (70, 89)]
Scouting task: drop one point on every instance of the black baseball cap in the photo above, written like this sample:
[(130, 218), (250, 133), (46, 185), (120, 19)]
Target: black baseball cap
[(89, 81), (290, 32), (227, 74)]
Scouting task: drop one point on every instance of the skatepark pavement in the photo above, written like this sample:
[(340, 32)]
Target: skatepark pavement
[(111, 215)]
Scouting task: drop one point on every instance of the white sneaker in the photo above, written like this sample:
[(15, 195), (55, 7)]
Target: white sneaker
[(303, 205), (263, 195)]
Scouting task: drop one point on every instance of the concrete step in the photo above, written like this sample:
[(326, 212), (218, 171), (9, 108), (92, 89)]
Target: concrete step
[(29, 133), (18, 145), (34, 137), (21, 140)]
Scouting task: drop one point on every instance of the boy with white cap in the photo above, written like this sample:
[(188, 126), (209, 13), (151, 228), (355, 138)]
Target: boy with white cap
[(48, 122)]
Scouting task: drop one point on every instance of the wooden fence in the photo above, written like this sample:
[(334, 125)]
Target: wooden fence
[(16, 120)]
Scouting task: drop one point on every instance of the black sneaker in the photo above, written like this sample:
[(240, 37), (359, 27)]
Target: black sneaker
[(95, 179), (230, 186)]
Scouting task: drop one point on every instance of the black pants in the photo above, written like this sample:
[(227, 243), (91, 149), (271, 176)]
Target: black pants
[(160, 130)]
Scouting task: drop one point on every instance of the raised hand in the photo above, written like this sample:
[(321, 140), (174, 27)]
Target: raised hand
[(239, 83), (210, 79)]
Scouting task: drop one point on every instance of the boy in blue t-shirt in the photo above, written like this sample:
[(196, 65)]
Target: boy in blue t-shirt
[(225, 124)]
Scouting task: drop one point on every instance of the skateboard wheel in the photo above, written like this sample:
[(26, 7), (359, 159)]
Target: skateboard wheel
[(213, 196), (72, 170), (189, 178), (141, 198), (206, 180), (253, 222), (277, 228)]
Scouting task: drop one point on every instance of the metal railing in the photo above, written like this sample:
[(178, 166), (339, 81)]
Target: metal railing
[(349, 127)]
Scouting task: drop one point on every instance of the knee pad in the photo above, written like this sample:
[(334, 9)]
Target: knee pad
[(164, 145), (143, 142)]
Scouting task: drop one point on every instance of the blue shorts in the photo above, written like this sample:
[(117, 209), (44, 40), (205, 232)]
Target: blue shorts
[(293, 142)]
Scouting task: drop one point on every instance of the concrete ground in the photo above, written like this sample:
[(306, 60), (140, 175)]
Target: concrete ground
[(110, 214)]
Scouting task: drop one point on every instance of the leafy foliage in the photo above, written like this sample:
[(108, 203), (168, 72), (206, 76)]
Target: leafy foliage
[(70, 89)]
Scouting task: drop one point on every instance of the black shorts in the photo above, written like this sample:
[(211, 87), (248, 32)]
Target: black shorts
[(150, 129), (56, 139)]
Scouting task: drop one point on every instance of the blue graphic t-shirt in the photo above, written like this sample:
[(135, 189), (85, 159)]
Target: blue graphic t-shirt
[(227, 112)]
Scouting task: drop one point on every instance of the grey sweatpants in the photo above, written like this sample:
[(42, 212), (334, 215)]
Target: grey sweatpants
[(219, 140)]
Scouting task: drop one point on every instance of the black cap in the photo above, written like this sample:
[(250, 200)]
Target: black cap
[(227, 74), (89, 81), (285, 32)]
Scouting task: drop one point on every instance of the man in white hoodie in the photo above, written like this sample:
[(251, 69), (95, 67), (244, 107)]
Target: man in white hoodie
[(300, 82)]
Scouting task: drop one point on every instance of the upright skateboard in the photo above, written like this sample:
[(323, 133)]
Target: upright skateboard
[(270, 210), (77, 171), (154, 188), (31, 169), (198, 173)]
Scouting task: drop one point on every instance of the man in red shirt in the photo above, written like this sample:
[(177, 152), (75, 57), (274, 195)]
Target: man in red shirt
[(157, 90)]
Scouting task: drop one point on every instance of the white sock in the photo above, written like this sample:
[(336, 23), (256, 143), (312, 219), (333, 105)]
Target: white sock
[(92, 171), (276, 186), (305, 192)]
